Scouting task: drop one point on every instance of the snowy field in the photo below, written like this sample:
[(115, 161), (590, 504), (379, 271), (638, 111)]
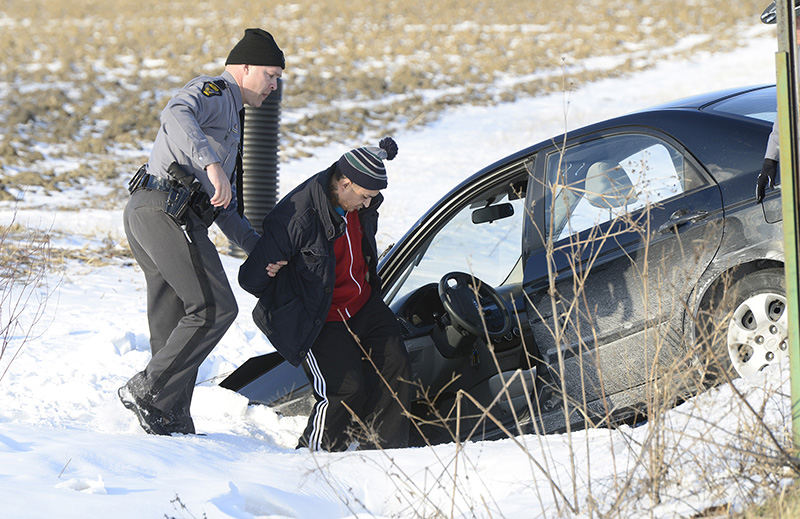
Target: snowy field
[(69, 449)]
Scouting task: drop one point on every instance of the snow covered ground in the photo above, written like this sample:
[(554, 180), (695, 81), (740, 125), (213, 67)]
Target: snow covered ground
[(69, 449)]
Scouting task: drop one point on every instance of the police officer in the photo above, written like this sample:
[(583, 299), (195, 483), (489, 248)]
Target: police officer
[(187, 183)]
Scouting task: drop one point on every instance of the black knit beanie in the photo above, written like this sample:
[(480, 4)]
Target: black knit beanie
[(257, 47)]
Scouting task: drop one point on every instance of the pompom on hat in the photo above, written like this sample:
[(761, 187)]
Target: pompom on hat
[(257, 47), (364, 166)]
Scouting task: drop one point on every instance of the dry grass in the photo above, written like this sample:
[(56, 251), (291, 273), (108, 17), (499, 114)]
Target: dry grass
[(26, 251), (784, 505), (87, 79), (24, 264)]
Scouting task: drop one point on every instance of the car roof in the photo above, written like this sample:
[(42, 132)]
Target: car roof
[(701, 100), (696, 103)]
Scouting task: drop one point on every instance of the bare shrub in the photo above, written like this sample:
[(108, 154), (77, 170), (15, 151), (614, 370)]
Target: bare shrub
[(24, 261)]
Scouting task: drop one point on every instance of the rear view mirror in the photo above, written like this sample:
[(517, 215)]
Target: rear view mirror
[(492, 213)]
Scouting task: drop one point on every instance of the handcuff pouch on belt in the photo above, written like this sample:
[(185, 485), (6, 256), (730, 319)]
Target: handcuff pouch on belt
[(177, 203)]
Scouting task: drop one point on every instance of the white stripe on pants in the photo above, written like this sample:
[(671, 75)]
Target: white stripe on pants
[(315, 439)]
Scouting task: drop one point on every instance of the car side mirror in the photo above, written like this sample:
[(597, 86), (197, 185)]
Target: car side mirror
[(492, 213)]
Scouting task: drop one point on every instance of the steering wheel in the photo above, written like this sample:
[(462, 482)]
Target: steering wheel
[(458, 298)]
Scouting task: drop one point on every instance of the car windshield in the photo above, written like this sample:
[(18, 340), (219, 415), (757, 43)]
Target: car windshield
[(758, 104), (483, 238)]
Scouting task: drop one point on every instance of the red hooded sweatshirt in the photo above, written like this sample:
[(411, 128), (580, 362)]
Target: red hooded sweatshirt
[(351, 290)]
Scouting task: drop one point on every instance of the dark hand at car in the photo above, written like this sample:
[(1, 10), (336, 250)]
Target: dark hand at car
[(767, 176)]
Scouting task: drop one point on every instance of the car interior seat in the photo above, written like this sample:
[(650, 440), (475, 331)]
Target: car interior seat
[(608, 185)]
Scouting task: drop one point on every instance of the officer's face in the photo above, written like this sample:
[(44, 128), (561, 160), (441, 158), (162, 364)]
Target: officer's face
[(257, 83)]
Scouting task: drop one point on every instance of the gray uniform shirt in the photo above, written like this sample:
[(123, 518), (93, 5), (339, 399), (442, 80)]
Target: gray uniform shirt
[(772, 143), (200, 126)]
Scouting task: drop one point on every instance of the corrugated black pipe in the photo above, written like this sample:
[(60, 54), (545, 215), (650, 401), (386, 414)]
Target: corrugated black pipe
[(260, 159)]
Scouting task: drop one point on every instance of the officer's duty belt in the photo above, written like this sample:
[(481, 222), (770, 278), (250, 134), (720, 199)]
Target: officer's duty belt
[(179, 197), (147, 181)]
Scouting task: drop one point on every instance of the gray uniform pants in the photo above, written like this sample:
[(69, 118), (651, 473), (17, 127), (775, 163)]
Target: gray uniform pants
[(190, 304)]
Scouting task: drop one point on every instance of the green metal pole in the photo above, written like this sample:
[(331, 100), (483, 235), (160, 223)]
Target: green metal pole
[(786, 72)]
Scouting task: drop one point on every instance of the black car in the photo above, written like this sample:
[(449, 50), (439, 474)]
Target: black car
[(595, 264)]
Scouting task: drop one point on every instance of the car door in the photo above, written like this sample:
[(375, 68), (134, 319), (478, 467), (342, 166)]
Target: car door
[(630, 221), (477, 230)]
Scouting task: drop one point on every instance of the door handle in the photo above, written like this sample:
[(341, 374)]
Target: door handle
[(680, 218)]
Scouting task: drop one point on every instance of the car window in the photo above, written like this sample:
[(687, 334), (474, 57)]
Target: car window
[(595, 182), (488, 249), (759, 104)]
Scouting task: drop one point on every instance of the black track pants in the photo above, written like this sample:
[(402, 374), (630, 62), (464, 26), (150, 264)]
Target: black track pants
[(341, 374), (190, 303)]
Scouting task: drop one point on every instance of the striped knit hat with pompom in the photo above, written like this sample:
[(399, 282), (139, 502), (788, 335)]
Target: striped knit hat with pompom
[(364, 166)]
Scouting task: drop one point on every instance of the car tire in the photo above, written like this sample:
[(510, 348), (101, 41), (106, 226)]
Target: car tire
[(748, 329)]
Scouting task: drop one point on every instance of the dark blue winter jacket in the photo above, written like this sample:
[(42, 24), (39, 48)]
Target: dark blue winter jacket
[(301, 229)]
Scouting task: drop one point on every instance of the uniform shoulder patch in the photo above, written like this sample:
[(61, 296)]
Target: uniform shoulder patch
[(213, 88)]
